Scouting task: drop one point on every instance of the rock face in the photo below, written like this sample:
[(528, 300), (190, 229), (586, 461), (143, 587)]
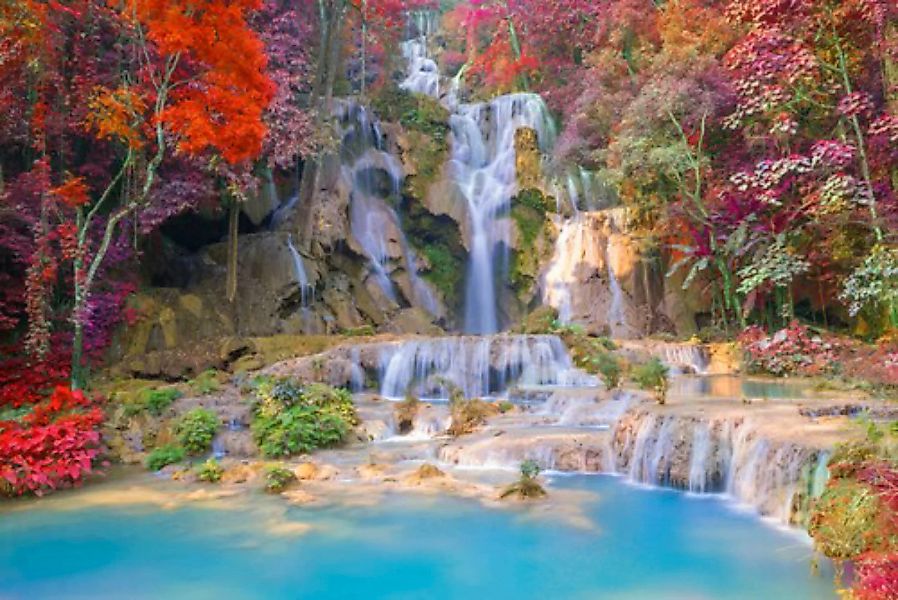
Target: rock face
[(600, 279)]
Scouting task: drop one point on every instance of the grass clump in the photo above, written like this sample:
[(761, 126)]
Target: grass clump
[(163, 456), (196, 429), (468, 415), (363, 331), (405, 412), (527, 487), (278, 479), (290, 418), (210, 471), (608, 368)]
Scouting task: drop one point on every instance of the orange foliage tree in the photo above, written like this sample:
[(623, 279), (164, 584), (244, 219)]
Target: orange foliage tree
[(196, 83)]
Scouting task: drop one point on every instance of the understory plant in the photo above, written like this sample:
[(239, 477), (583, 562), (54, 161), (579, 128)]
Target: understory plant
[(468, 415), (163, 456), (652, 375), (205, 383), (196, 429), (51, 444), (405, 413), (608, 368), (794, 350), (856, 518), (210, 471), (290, 418)]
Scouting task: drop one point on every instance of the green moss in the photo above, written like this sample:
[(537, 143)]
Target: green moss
[(427, 124), (428, 154), (363, 331), (535, 199), (529, 210), (416, 112), (437, 239), (444, 271)]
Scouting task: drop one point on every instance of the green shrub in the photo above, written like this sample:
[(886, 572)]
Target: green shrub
[(608, 368), (205, 383), (210, 471), (196, 429), (530, 469), (164, 456), (293, 419), (650, 375), (278, 479), (152, 400)]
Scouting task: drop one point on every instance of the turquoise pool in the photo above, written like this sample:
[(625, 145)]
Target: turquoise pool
[(645, 544)]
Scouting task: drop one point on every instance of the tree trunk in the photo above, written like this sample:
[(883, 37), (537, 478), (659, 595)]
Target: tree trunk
[(233, 241), (331, 14)]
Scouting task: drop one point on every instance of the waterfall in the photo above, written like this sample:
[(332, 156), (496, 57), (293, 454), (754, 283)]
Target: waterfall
[(483, 167), (478, 366), (374, 176), (302, 278), (422, 73)]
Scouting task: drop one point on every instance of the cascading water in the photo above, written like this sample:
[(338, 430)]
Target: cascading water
[(478, 366), (302, 278), (577, 255), (483, 167), (374, 175), (423, 75)]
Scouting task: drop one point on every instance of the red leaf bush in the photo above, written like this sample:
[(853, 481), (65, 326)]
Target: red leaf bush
[(55, 443), (790, 351), (876, 578)]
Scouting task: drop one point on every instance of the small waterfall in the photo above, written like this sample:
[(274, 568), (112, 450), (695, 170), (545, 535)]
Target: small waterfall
[(423, 75), (578, 189), (726, 455), (617, 318), (688, 358), (375, 176), (478, 366), (699, 461), (306, 289), (357, 372), (577, 254), (283, 211), (820, 475)]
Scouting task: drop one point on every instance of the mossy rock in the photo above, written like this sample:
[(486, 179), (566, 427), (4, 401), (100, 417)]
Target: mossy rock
[(436, 239)]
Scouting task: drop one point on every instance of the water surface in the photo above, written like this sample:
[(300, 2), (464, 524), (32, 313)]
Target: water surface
[(645, 544)]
